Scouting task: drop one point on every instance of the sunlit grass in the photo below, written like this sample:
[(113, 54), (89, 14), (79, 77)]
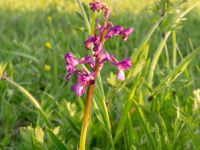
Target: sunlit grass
[(118, 6)]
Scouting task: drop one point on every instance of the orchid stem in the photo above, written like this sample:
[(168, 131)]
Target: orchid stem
[(86, 116), (87, 109)]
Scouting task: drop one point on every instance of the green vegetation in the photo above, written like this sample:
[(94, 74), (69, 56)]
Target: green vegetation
[(157, 107)]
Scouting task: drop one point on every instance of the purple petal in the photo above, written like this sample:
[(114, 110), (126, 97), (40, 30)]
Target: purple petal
[(111, 58), (78, 89), (114, 31), (86, 60), (126, 32), (124, 64), (70, 59), (121, 75), (89, 42), (93, 40), (84, 79), (71, 62), (103, 58), (99, 27)]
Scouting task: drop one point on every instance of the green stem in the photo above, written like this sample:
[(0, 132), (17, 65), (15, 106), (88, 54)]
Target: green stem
[(93, 23), (88, 106), (84, 16), (174, 48), (167, 56), (155, 59)]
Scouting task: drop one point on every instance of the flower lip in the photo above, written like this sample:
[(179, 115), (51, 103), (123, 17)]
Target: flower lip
[(78, 89), (121, 75)]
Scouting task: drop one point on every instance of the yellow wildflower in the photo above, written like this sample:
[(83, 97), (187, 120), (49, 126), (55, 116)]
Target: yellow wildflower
[(47, 45), (47, 68), (49, 18)]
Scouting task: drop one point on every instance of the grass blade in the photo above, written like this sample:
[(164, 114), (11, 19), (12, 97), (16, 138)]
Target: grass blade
[(145, 40), (21, 54), (87, 23), (145, 124), (125, 110), (176, 71), (164, 132), (174, 48), (158, 137), (56, 140), (130, 131), (155, 59)]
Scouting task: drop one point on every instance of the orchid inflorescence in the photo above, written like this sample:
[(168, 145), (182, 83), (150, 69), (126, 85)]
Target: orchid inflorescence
[(99, 55)]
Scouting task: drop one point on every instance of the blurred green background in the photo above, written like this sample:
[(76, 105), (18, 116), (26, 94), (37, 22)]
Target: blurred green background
[(36, 34)]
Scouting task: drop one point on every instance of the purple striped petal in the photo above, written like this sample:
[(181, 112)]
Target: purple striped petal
[(78, 89)]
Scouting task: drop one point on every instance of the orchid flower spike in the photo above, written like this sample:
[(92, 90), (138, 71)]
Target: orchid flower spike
[(99, 56)]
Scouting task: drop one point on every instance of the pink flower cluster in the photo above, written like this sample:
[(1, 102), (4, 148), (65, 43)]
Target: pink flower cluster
[(99, 55)]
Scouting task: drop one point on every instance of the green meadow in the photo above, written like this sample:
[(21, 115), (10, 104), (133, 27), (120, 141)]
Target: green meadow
[(156, 107)]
